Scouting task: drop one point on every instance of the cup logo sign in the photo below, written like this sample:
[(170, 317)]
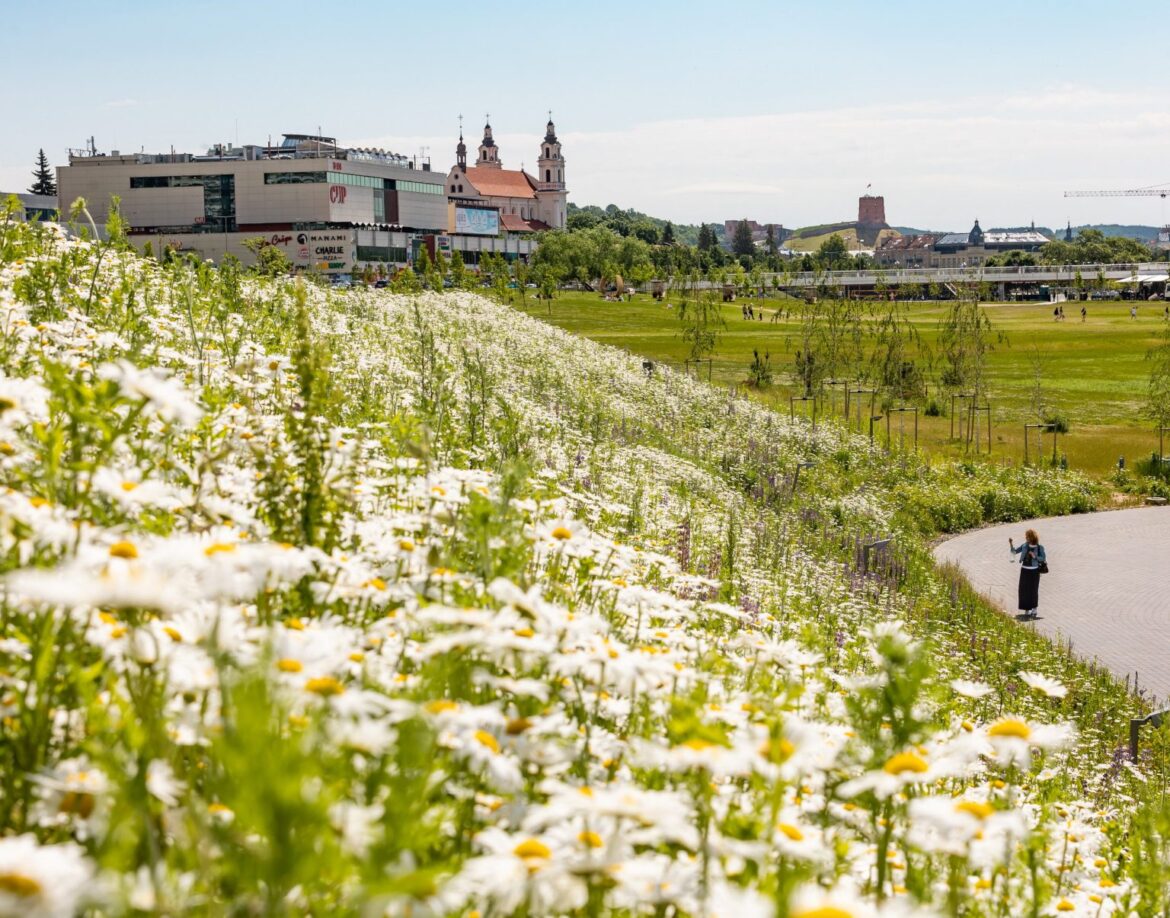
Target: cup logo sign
[(336, 194)]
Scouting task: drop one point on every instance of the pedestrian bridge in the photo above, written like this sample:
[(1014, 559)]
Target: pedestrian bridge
[(1051, 275)]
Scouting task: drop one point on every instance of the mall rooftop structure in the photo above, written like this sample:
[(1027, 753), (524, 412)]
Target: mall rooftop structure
[(330, 207)]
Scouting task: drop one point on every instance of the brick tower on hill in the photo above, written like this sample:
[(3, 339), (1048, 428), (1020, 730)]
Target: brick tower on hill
[(871, 210)]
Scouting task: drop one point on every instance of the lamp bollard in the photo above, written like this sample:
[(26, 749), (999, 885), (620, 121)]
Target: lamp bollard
[(878, 545), (1154, 720), (796, 475)]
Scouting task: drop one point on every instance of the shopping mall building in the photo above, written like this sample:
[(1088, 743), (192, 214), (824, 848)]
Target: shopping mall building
[(329, 208)]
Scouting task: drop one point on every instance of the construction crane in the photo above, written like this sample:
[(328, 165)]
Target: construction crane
[(1152, 191)]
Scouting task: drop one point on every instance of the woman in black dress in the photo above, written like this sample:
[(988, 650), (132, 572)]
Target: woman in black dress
[(1031, 559)]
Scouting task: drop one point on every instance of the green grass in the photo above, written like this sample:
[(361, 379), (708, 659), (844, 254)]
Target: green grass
[(1094, 373)]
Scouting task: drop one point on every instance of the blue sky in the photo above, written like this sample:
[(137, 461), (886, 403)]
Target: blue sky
[(775, 111)]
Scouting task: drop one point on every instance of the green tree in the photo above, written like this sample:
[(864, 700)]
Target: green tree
[(458, 270), (832, 254), (742, 244), (966, 336), (269, 260), (893, 367), (646, 231), (702, 324), (1157, 403), (770, 240), (668, 234), (422, 264), (43, 181), (707, 239)]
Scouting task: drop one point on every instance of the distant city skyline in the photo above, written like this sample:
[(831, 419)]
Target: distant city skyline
[(777, 112)]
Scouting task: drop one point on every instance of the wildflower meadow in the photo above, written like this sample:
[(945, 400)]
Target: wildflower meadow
[(324, 602)]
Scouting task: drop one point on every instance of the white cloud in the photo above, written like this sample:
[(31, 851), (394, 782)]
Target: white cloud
[(1006, 160)]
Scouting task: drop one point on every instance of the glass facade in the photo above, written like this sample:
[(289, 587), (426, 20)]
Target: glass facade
[(293, 178), (417, 187), (350, 178), (381, 253), (219, 197)]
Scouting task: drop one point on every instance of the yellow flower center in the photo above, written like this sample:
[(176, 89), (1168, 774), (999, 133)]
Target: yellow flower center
[(289, 665), (905, 762), (218, 808), (562, 533), (974, 808), (825, 911), (123, 550), (517, 725), (983, 883), (1065, 906), (129, 486), (531, 848), (78, 804), (590, 839), (218, 548), (405, 545), (375, 583), (173, 634), (777, 750), (789, 831), (486, 739), (17, 884), (324, 686), (439, 705), (698, 745), (1011, 728)]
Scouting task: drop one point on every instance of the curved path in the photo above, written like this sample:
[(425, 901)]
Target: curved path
[(1108, 590)]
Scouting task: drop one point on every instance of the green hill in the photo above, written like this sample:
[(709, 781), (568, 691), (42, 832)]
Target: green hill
[(348, 603)]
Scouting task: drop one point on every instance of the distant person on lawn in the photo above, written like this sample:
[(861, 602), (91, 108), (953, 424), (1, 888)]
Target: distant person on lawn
[(1032, 557)]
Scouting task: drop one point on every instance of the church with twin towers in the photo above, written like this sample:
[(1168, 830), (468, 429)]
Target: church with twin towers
[(527, 203)]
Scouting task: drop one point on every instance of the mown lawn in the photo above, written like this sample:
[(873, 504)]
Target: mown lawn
[(1092, 372)]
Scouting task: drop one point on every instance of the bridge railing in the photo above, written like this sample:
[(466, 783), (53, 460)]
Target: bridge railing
[(900, 276), (894, 277)]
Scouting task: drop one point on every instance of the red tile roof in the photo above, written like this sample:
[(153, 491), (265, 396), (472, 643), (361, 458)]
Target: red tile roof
[(514, 223), (502, 183)]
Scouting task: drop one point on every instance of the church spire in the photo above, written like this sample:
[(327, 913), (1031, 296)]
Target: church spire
[(489, 155), (461, 149)]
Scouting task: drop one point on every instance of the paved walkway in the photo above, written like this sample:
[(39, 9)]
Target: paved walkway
[(1108, 590)]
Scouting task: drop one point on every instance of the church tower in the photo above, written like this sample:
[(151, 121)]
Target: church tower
[(461, 150), (489, 154), (550, 178)]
